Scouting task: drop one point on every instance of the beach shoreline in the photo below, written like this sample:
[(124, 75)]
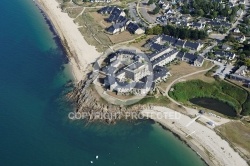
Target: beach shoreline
[(203, 140), (80, 54), (75, 46)]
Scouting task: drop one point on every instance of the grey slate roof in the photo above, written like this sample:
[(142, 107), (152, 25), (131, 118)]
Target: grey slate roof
[(129, 52), (180, 55), (113, 27), (180, 43), (200, 59), (169, 39), (197, 24), (151, 56), (110, 56), (132, 27), (163, 57), (115, 15), (157, 47), (108, 69), (219, 23), (135, 66), (241, 78), (192, 45), (159, 72), (222, 53), (189, 57)]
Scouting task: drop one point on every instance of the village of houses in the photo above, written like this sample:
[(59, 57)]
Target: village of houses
[(126, 66)]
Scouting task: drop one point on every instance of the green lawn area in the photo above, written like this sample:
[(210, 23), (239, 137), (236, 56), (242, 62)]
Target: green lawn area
[(238, 133), (220, 90)]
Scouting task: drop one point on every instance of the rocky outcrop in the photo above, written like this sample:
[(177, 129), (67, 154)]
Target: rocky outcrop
[(89, 105)]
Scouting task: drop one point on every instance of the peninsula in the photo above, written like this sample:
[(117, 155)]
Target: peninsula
[(136, 57)]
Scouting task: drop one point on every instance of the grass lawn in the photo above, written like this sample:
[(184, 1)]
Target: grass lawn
[(74, 12), (183, 68), (238, 133), (160, 101), (122, 37)]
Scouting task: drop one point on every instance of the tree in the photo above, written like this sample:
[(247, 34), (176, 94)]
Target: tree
[(149, 31), (246, 20), (150, 2), (200, 12), (231, 18), (230, 38), (157, 30), (247, 62), (156, 10), (234, 10), (202, 34), (214, 14), (242, 6), (185, 10), (194, 35), (165, 30), (184, 33), (184, 50), (211, 55)]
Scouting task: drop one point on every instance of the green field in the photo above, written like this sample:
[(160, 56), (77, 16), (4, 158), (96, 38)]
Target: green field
[(234, 96)]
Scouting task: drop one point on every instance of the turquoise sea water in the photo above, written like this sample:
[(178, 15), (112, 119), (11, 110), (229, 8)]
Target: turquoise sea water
[(34, 127)]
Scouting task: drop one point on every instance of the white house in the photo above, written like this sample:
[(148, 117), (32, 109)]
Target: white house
[(242, 39), (236, 30), (199, 61)]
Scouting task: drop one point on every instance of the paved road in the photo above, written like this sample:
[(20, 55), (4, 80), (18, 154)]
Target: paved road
[(209, 48), (132, 12)]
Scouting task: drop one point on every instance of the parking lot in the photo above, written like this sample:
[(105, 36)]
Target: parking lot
[(223, 70)]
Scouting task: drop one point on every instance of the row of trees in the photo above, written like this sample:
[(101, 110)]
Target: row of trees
[(178, 32)]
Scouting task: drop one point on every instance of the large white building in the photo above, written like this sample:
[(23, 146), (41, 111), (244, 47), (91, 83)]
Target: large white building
[(136, 71)]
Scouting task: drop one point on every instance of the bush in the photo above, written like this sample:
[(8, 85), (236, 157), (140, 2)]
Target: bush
[(220, 90)]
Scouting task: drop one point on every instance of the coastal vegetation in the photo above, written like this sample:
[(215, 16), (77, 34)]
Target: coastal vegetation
[(237, 134), (93, 33), (220, 90), (178, 32)]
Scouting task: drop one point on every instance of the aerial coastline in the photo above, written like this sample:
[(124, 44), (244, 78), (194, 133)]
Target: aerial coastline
[(81, 55), (71, 38)]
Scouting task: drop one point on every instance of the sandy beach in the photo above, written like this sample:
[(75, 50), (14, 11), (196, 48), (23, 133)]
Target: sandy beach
[(203, 139), (79, 52)]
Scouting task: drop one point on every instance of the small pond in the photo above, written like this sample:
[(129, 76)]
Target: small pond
[(214, 104)]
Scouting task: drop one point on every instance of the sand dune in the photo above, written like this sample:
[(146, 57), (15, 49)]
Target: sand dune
[(81, 53)]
